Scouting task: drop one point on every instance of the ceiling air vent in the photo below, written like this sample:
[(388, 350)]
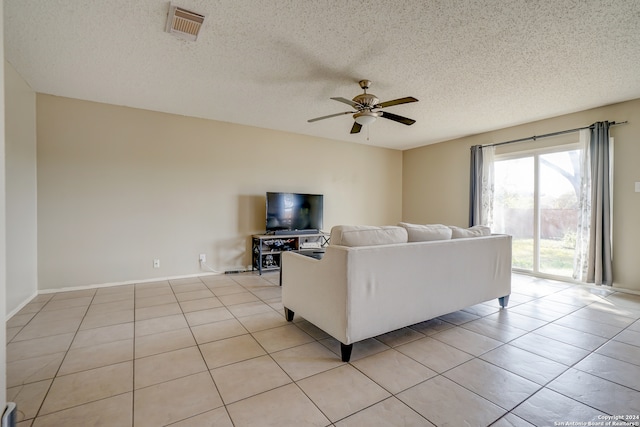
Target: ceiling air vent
[(184, 23)]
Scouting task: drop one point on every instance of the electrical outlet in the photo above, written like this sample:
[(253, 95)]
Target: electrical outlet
[(156, 263), (203, 257)]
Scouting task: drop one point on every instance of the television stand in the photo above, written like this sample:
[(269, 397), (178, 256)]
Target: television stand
[(267, 248)]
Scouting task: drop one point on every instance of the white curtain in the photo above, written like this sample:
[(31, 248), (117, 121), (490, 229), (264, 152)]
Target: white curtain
[(488, 186), (593, 253), (581, 255)]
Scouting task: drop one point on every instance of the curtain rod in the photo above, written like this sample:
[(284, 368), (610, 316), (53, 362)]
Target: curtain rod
[(546, 135)]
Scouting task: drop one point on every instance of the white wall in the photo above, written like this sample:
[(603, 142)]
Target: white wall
[(118, 187), (20, 172)]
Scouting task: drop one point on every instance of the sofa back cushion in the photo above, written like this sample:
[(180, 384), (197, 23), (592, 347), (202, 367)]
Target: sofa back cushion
[(426, 233), (367, 235), (475, 231)]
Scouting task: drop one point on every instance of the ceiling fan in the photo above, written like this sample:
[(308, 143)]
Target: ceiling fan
[(368, 109)]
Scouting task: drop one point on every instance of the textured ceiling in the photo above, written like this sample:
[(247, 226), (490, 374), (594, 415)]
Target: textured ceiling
[(475, 65)]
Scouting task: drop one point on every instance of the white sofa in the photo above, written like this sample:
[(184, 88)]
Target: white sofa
[(374, 280)]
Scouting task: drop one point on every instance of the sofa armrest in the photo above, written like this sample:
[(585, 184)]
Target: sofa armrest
[(316, 289)]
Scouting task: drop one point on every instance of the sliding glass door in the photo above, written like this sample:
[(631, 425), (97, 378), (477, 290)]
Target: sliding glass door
[(536, 201)]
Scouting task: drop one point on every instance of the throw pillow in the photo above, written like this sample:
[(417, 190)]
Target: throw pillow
[(475, 231), (426, 233), (367, 235)]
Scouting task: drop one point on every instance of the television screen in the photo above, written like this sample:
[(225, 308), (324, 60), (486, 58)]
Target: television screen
[(293, 211)]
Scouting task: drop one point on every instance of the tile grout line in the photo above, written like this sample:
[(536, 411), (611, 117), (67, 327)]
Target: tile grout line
[(133, 365), (590, 352), (63, 359), (286, 373), (204, 360), (504, 343), (545, 386)]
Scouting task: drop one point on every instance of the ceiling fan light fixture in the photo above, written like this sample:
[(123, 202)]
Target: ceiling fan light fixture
[(368, 108), (366, 117)]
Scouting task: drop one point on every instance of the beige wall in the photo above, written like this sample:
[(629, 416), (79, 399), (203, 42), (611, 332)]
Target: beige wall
[(20, 169), (3, 260), (118, 187), (436, 179)]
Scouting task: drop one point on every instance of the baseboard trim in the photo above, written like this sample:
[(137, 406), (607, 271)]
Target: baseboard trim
[(613, 287), (21, 306), (101, 285), (623, 290), (127, 282), (188, 276)]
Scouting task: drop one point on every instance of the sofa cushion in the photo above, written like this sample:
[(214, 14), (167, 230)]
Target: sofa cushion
[(426, 233), (367, 235), (475, 231)]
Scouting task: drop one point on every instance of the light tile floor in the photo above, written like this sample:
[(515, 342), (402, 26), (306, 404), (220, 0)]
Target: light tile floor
[(217, 351)]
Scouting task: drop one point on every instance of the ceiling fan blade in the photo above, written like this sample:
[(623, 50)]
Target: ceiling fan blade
[(348, 102), (398, 101), (396, 118), (356, 127), (329, 116)]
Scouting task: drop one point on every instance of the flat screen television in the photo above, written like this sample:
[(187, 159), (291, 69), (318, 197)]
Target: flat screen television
[(293, 212)]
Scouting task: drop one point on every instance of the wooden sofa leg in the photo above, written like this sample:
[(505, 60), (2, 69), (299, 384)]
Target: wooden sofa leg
[(288, 314), (345, 349), (503, 301)]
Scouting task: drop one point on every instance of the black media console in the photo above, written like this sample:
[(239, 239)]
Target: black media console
[(267, 248)]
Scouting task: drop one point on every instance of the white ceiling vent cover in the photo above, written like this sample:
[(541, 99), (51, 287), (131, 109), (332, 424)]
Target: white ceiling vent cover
[(184, 23)]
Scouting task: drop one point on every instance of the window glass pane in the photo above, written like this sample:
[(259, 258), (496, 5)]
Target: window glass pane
[(559, 192), (513, 207)]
